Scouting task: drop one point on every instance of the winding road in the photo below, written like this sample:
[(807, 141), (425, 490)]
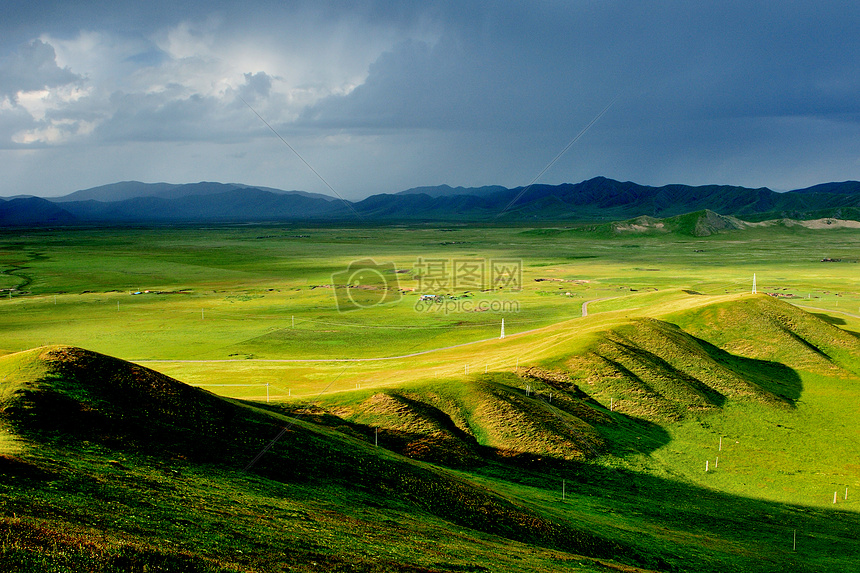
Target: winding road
[(585, 304)]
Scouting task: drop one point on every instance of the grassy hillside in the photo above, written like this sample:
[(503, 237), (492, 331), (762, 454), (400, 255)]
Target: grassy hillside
[(117, 467), (77, 416)]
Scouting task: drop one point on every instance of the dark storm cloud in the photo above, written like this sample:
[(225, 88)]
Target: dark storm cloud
[(530, 66), (31, 67), (758, 93)]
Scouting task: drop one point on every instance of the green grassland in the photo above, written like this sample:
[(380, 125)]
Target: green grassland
[(437, 446), (243, 289)]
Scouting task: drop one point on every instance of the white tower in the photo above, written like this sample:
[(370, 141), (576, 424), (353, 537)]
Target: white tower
[(503, 329), (754, 290)]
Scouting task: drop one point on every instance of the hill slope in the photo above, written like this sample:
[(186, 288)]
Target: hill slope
[(750, 350), (67, 401)]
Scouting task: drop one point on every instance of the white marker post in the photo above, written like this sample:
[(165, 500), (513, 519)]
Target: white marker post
[(717, 462), (503, 329), (706, 464), (721, 443), (834, 497)]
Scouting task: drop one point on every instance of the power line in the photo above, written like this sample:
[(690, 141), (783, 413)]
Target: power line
[(291, 148), (557, 157)]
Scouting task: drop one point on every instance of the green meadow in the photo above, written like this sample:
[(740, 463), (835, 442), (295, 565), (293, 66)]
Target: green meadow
[(682, 423), (267, 292)]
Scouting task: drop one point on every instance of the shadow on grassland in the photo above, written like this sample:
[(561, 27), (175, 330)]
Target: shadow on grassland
[(835, 321), (773, 377)]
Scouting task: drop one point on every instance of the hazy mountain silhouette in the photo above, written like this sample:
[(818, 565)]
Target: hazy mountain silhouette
[(132, 189), (599, 200), (447, 190), (29, 211)]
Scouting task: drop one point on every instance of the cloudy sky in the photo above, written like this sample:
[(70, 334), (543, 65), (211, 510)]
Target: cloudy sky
[(382, 96)]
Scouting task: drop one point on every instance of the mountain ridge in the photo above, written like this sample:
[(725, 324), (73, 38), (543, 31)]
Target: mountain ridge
[(595, 200), (123, 190)]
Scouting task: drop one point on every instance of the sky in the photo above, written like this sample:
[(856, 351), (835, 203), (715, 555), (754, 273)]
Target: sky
[(378, 97)]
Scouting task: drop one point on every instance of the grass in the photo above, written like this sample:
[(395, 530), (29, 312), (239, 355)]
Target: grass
[(87, 499), (113, 467), (84, 487), (251, 290)]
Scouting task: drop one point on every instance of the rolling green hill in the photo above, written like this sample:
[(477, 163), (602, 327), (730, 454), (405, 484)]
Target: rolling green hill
[(579, 442), (86, 415), (108, 466)]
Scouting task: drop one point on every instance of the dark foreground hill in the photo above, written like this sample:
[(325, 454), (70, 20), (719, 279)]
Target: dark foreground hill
[(92, 425), (595, 200)]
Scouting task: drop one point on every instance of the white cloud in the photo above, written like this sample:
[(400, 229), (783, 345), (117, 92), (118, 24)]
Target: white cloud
[(39, 103), (181, 83), (55, 132), (189, 40), (34, 102)]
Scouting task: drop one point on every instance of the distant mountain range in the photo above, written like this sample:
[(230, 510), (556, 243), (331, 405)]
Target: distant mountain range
[(447, 190), (595, 200), (134, 189)]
